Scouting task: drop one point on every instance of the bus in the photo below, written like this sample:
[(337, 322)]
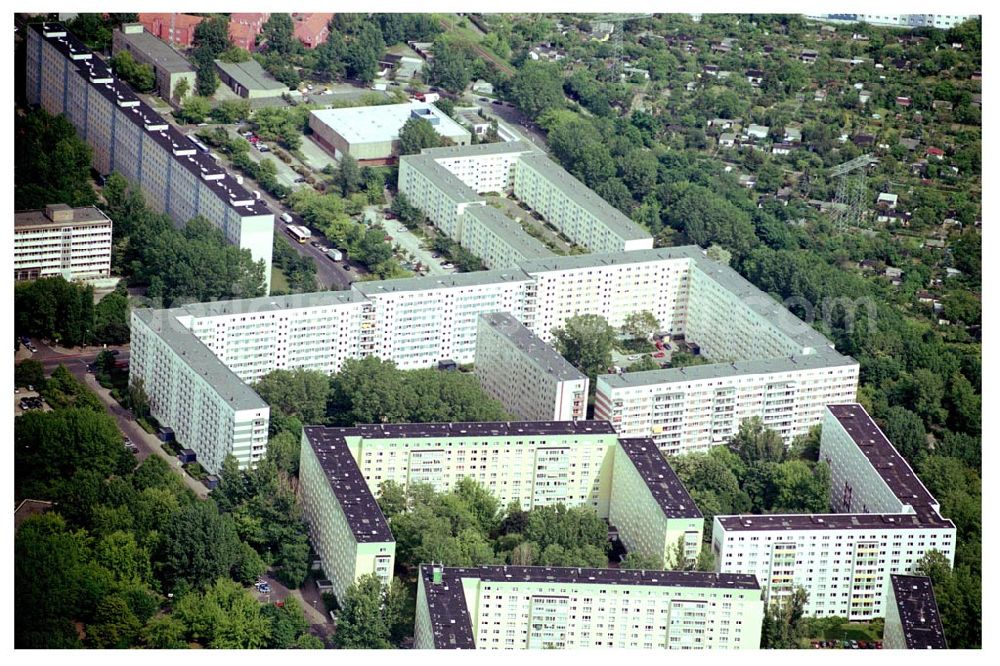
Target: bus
[(301, 234)]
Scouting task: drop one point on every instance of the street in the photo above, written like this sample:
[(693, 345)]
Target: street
[(76, 362), (513, 117)]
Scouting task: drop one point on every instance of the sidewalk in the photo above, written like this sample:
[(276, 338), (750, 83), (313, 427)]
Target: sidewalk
[(147, 443)]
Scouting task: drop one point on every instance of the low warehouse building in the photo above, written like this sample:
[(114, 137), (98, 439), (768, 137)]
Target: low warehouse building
[(371, 133), (248, 79), (169, 66)]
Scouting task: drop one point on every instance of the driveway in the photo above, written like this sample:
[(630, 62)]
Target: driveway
[(316, 156), (406, 240), (513, 117)]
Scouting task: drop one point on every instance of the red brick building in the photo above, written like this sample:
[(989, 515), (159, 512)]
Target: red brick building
[(244, 28), (180, 33), (311, 28)]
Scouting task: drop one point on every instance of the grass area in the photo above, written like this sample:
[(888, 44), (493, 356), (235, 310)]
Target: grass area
[(278, 280), (171, 448), (146, 425), (848, 631), (450, 23)]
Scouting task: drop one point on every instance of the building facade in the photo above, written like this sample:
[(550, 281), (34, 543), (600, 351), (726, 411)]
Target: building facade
[(127, 136), (172, 28), (529, 378), (346, 526), (369, 133), (912, 620), (210, 410), (169, 66), (572, 463), (417, 322), (510, 608), (72, 242), (445, 182), (843, 560), (941, 21)]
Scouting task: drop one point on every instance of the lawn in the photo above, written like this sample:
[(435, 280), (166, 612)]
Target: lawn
[(278, 280), (848, 631)]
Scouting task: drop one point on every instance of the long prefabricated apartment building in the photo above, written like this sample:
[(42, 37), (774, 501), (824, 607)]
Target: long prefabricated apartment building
[(574, 463)]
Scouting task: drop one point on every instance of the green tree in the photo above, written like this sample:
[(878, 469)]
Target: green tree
[(782, 625), (111, 318), (206, 82), (451, 67), (755, 443), (586, 342), (51, 163), (906, 431), (164, 633), (293, 560), (641, 325), (298, 392), (288, 624), (114, 625), (138, 75), (211, 37), (639, 561), (181, 89), (391, 499), (417, 134), (278, 33), (348, 176), (644, 364), (365, 620), (195, 109), (536, 87), (198, 546), (29, 373)]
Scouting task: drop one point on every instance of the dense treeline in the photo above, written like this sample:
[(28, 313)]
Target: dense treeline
[(95, 570), (51, 164), (193, 263), (371, 390), (64, 312)]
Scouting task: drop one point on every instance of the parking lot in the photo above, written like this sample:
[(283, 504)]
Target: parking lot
[(26, 400), (408, 241)]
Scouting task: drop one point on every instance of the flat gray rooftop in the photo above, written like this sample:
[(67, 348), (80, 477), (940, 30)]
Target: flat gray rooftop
[(199, 358), (660, 478), (381, 123), (510, 231), (479, 149), (250, 75), (719, 370), (474, 429), (429, 282), (543, 356), (158, 51), (273, 303), (583, 196), (578, 261), (441, 178), (918, 612), (39, 218)]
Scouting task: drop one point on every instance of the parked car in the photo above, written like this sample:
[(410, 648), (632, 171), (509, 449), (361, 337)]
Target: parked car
[(25, 340), (635, 357), (347, 267), (300, 179), (659, 354)]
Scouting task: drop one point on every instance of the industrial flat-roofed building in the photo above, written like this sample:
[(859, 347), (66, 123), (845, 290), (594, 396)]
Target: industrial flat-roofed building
[(512, 607), (529, 378), (371, 133), (912, 620), (127, 136), (843, 560), (535, 463), (58, 240), (248, 79), (169, 66)]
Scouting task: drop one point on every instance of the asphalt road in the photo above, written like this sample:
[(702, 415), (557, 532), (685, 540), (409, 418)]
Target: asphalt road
[(147, 444), (329, 274), (513, 117)]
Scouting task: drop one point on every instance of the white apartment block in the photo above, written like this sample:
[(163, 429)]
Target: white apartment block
[(694, 408), (446, 183), (769, 364), (346, 526), (574, 209), (843, 560), (529, 378), (417, 322), (574, 463), (912, 619), (192, 391), (511, 608), (126, 135), (72, 242), (941, 21)]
